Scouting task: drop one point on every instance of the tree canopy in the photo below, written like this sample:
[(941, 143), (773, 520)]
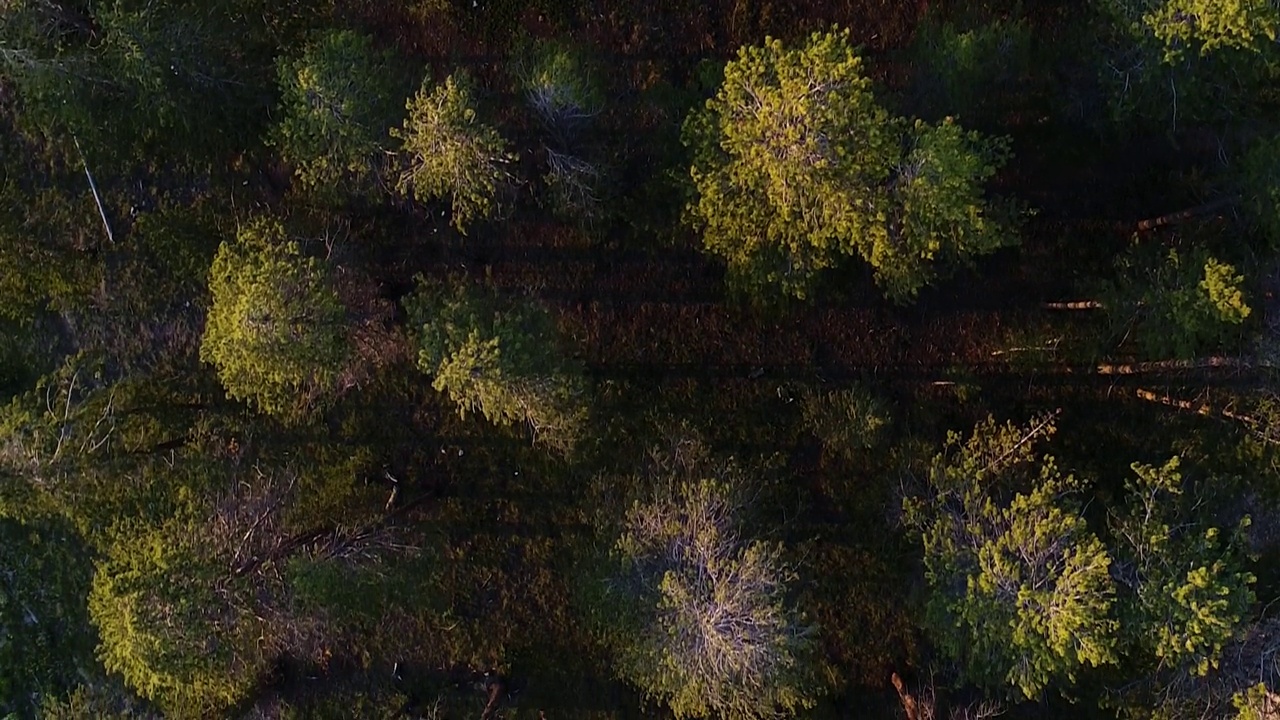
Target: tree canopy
[(450, 153), (276, 331), (797, 165), (498, 358), (716, 632), (1020, 588), (336, 109)]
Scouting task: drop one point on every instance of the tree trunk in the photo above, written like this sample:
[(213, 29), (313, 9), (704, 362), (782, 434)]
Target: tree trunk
[(1253, 423), (1073, 305), (1156, 366), (909, 705), (1184, 215)]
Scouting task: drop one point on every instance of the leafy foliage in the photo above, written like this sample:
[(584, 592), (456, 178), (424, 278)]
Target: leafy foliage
[(1191, 593), (1260, 178), (715, 633), (498, 359), (962, 71), (172, 623), (450, 153), (1020, 589), (849, 421), (1184, 306), (336, 104), (1204, 26), (46, 631), (276, 330), (796, 165)]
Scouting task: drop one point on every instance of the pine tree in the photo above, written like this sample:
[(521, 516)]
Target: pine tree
[(796, 166), (277, 331), (499, 359)]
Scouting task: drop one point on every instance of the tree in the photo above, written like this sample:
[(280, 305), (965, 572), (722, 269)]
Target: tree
[(796, 166), (1260, 182), (1185, 305), (450, 153), (178, 79), (173, 624), (849, 422), (1204, 26), (1183, 61), (336, 101), (703, 618), (1020, 591), (1188, 596), (276, 331), (499, 359), (562, 88), (48, 638)]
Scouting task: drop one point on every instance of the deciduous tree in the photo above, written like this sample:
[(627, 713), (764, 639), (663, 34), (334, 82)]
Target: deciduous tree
[(705, 622), (1020, 588)]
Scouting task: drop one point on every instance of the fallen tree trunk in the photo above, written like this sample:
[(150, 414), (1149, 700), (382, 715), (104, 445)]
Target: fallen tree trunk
[(1154, 366), (1073, 305), (1184, 215)]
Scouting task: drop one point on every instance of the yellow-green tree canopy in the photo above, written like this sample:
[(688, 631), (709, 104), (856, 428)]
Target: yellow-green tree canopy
[(499, 359), (276, 331), (1190, 594), (173, 623), (1202, 26), (797, 166), (449, 153), (1020, 588)]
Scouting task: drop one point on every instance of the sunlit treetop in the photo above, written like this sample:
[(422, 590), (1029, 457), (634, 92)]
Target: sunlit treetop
[(276, 331), (1200, 26), (797, 166)]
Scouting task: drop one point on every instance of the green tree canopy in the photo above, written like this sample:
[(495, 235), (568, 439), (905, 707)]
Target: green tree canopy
[(1185, 305), (705, 620), (796, 165), (338, 99), (449, 153), (1191, 595), (276, 331), (499, 359), (1020, 588), (173, 623)]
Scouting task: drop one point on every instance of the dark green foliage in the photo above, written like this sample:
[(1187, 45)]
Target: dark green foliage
[(48, 641), (1260, 185), (338, 101), (498, 358), (968, 71)]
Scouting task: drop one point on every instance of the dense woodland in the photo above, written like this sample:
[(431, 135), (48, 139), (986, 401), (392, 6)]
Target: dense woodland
[(670, 359)]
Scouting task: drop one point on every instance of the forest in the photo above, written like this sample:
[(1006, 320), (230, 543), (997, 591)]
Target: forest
[(599, 359)]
